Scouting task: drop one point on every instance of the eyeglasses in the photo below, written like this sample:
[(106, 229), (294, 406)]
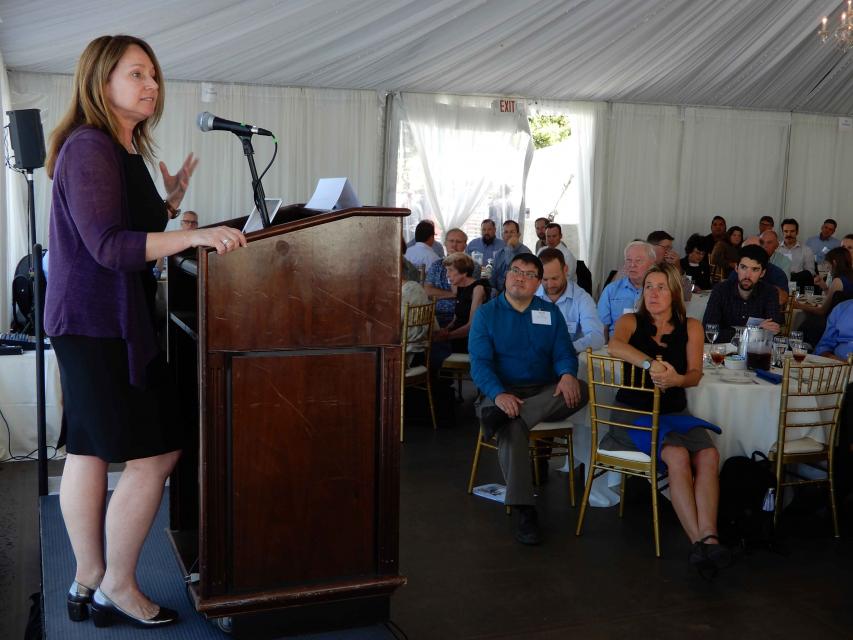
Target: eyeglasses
[(530, 275)]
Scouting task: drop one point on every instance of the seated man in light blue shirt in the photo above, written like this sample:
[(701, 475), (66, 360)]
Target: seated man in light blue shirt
[(621, 296), (576, 305), (512, 247), (421, 254), (825, 241), (837, 339), (487, 244), (523, 362)]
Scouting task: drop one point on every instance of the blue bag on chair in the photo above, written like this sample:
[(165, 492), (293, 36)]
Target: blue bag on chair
[(677, 422)]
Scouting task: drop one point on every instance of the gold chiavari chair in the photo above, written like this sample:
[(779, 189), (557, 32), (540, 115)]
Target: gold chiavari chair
[(811, 397), (418, 320), (457, 366), (609, 373), (546, 440)]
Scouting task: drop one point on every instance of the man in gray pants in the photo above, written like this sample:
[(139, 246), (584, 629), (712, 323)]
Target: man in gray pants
[(523, 362)]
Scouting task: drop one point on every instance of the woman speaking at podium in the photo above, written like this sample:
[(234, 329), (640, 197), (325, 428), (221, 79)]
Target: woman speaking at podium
[(106, 226)]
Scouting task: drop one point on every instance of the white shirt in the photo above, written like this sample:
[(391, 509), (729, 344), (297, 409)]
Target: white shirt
[(801, 257), (421, 254), (581, 315)]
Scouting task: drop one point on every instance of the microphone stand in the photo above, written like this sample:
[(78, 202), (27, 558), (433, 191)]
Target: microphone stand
[(36, 272), (257, 187)]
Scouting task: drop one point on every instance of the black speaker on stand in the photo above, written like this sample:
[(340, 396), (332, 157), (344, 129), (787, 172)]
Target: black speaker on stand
[(27, 137)]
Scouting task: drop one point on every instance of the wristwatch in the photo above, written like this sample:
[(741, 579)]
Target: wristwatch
[(646, 364), (173, 213)]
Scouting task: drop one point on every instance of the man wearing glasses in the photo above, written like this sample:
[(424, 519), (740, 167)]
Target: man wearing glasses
[(523, 362), (189, 221)]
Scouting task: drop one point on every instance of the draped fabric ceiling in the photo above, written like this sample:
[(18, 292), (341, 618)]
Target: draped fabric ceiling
[(759, 54)]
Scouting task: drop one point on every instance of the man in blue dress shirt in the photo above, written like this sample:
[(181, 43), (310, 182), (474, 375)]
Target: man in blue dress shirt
[(576, 305), (487, 244), (523, 362), (825, 241), (503, 257), (621, 296)]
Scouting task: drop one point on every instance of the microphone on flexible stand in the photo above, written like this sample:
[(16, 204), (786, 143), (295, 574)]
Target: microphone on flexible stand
[(209, 122)]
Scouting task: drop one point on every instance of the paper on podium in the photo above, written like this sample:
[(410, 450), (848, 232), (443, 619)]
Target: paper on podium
[(333, 193)]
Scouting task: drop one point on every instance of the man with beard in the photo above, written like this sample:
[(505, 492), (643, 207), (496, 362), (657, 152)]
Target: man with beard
[(732, 303), (576, 305), (487, 244), (540, 225), (523, 362)]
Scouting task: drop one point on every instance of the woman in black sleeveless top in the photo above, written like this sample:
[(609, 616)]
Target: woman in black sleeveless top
[(661, 328), (470, 294)]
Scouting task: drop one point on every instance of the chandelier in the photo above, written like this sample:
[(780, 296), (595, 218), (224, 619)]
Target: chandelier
[(842, 35)]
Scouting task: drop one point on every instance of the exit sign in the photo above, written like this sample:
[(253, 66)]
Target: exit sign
[(507, 106)]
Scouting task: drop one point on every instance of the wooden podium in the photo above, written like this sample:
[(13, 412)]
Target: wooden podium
[(287, 362)]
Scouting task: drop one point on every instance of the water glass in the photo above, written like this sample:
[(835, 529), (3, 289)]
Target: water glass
[(780, 346), (809, 293), (796, 336), (711, 332)]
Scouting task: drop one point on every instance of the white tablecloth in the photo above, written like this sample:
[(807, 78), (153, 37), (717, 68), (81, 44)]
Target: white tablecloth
[(747, 411), (18, 402)]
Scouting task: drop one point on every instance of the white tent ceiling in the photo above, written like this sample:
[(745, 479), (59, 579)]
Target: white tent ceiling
[(761, 54)]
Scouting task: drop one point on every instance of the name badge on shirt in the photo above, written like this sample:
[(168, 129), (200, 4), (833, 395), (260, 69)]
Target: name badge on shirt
[(572, 326), (627, 310), (541, 317), (825, 250)]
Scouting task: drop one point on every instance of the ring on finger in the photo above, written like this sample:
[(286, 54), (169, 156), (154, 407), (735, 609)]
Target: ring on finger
[(226, 242)]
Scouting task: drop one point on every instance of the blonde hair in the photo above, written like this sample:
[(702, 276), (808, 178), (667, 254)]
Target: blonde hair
[(673, 282), (89, 104)]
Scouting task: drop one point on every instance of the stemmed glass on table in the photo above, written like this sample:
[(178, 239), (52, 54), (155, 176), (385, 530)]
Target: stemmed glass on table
[(780, 346), (711, 332), (717, 352), (798, 349)]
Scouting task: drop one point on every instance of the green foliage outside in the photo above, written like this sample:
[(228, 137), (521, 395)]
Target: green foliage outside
[(548, 130)]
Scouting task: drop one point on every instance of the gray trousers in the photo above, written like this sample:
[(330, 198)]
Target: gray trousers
[(540, 405)]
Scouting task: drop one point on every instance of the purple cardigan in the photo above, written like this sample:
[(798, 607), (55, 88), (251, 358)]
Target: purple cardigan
[(94, 289)]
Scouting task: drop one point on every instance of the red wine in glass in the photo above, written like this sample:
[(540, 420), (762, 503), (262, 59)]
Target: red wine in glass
[(799, 356), (717, 357)]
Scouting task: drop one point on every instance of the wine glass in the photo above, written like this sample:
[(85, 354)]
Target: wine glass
[(795, 336), (780, 346), (798, 349), (718, 355), (809, 293), (711, 332)]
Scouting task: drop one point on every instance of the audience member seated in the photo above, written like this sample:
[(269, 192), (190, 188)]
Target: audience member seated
[(718, 233), (765, 224), (470, 294), (487, 243), (847, 243), (774, 275), (693, 263), (189, 220), (725, 253), (801, 256), (410, 271), (840, 266), (421, 254), (621, 296), (554, 240), (512, 247), (413, 294), (436, 283), (824, 241), (523, 363), (769, 240), (576, 305), (660, 327), (733, 302), (540, 224), (664, 253)]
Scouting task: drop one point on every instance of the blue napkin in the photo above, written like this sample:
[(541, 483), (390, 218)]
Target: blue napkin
[(775, 378), (678, 423)]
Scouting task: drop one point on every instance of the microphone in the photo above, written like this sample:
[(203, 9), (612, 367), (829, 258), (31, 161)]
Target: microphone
[(209, 122)]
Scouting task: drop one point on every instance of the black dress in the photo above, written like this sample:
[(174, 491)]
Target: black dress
[(672, 400), (462, 313), (105, 416)]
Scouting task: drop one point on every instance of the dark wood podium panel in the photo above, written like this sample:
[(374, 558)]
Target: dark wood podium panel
[(303, 420), (318, 286)]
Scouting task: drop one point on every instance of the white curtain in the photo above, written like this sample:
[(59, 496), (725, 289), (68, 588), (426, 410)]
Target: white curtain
[(819, 174), (458, 156), (732, 164), (321, 133)]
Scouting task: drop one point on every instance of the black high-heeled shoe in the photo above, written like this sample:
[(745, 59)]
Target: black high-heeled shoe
[(79, 597), (105, 612)]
